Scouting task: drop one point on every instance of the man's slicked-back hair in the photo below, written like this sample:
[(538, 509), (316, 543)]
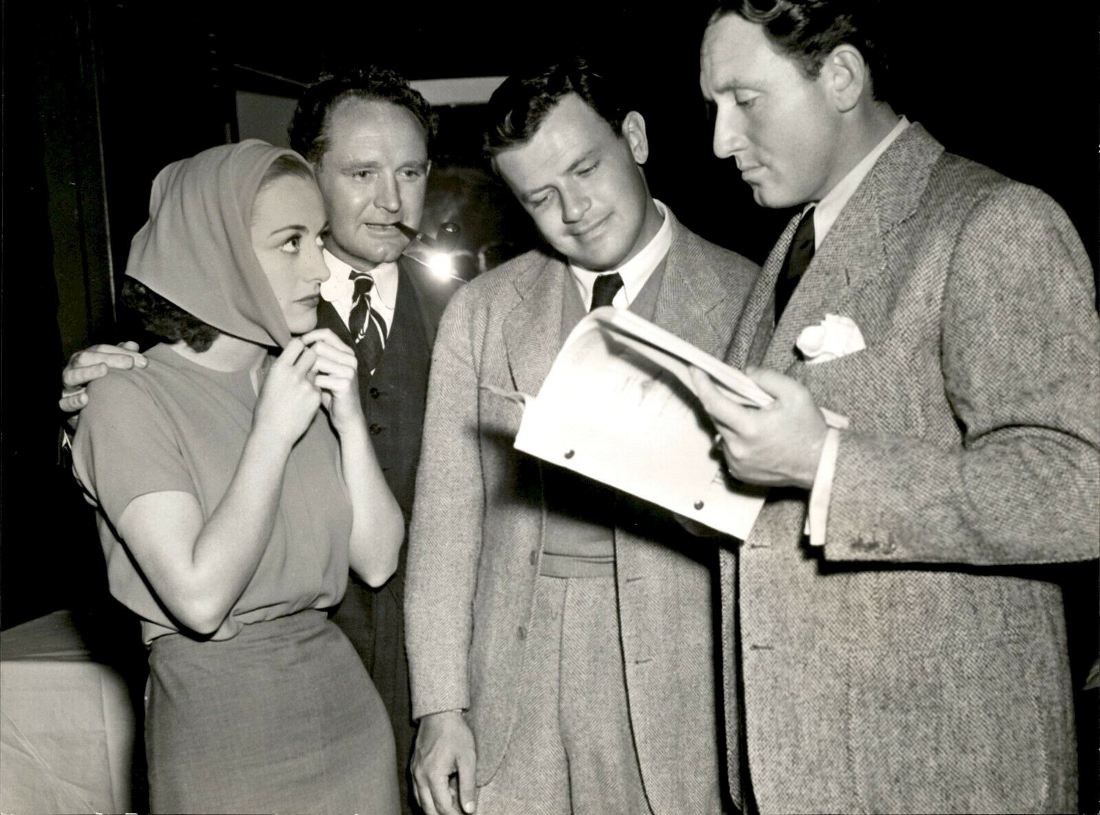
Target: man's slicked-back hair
[(518, 107), (308, 128), (807, 31)]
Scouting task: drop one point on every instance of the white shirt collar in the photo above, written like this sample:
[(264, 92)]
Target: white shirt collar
[(339, 286), (829, 208), (636, 271)]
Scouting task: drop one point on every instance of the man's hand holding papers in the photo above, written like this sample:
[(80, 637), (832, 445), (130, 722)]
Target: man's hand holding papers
[(622, 405), (778, 445)]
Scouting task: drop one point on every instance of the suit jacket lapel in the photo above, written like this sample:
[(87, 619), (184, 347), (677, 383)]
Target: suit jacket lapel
[(851, 251), (532, 331), (854, 252), (758, 312), (429, 294), (327, 317), (693, 302)]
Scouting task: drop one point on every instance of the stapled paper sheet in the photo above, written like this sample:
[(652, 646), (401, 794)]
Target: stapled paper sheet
[(618, 406)]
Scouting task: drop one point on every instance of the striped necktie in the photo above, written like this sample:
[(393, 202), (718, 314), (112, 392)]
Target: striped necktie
[(367, 326)]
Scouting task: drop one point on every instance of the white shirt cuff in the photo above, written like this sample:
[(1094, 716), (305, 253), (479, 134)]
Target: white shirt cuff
[(818, 515)]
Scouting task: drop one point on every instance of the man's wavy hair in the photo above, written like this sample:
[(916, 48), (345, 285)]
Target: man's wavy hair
[(807, 31), (308, 127), (518, 107)]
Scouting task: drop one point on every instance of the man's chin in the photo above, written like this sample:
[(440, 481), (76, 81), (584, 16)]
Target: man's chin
[(771, 198), (599, 262), (760, 196), (382, 254)]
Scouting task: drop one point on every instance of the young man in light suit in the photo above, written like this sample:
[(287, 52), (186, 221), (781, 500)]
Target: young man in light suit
[(907, 654), (560, 635)]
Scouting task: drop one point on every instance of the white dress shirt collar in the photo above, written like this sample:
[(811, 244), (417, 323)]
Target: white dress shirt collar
[(829, 208), (636, 271), (339, 287)]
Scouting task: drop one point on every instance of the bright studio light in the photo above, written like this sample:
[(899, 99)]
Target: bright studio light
[(442, 266)]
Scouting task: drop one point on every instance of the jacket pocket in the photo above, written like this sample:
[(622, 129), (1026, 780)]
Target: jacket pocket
[(948, 731)]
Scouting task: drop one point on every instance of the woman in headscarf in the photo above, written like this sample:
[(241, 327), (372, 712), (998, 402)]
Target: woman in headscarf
[(235, 487)]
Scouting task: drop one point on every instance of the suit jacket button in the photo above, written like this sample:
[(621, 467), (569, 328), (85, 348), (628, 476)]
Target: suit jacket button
[(534, 558), (375, 429), (521, 632), (374, 393)]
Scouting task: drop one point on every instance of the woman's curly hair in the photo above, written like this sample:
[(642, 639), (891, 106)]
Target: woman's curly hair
[(163, 318)]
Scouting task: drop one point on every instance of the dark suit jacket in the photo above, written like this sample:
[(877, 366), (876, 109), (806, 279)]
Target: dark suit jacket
[(918, 662), (393, 404), (478, 526), (393, 399)]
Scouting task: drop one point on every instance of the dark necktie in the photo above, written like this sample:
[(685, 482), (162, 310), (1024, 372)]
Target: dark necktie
[(605, 289), (799, 255), (367, 326)]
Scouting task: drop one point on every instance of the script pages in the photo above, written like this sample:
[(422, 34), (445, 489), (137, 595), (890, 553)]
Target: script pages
[(618, 406)]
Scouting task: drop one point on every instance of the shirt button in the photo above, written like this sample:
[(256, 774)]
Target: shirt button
[(374, 393), (375, 429), (534, 558), (521, 632)]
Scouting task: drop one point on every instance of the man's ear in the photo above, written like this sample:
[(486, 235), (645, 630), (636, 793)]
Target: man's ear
[(846, 76), (633, 130), (428, 168)]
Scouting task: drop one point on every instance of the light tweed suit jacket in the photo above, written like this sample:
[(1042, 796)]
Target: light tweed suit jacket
[(479, 516), (918, 663)]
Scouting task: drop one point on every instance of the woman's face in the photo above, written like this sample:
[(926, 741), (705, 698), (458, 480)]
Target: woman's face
[(288, 225)]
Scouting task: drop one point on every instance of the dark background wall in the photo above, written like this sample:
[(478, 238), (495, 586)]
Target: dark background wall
[(98, 96)]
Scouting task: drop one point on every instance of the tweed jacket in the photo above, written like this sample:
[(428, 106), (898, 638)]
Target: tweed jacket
[(479, 519), (917, 663)]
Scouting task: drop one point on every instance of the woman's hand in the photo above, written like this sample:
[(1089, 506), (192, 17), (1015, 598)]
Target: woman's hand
[(198, 567), (335, 369), (289, 397)]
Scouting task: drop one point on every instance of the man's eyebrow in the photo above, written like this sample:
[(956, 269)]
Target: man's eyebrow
[(580, 160), (729, 86), (529, 194)]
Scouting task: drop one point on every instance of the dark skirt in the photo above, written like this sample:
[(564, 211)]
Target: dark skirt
[(281, 718)]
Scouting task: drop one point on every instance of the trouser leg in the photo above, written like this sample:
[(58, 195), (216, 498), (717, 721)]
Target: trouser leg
[(604, 775), (533, 777)]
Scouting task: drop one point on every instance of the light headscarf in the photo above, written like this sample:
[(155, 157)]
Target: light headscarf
[(196, 248)]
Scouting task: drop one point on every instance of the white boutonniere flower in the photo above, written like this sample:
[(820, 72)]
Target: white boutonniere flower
[(833, 337)]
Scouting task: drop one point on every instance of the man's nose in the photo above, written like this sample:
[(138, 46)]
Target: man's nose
[(574, 204), (388, 195), (729, 132)]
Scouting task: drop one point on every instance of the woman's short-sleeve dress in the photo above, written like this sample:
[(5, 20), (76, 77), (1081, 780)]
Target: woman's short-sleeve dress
[(274, 711)]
